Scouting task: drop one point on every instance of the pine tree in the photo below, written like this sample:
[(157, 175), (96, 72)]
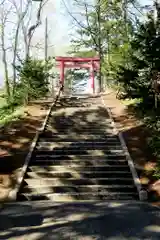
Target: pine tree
[(145, 52)]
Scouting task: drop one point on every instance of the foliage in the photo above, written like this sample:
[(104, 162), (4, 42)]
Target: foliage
[(32, 84), (33, 80), (7, 114), (106, 31), (130, 50), (16, 27), (136, 78), (144, 57)]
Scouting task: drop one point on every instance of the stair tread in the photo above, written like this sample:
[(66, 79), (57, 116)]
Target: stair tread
[(79, 144), (72, 174), (82, 156), (52, 163), (85, 193), (121, 186), (56, 147), (46, 168), (78, 169), (93, 178), (66, 122), (79, 197), (75, 137), (93, 153), (78, 189), (80, 141), (77, 181), (78, 160), (62, 127), (59, 134)]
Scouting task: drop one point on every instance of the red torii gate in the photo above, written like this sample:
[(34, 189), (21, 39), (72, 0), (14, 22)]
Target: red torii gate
[(91, 63)]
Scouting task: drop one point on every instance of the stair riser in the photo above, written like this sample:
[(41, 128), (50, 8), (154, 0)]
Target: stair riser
[(76, 163), (81, 141), (80, 197), (69, 175), (78, 157), (81, 131), (78, 182), (103, 135), (64, 123), (79, 152), (61, 128), (80, 189), (78, 168), (105, 124), (83, 157), (63, 137), (52, 147), (80, 144)]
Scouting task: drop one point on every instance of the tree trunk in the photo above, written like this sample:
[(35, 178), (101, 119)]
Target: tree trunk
[(14, 58), (4, 59), (99, 42)]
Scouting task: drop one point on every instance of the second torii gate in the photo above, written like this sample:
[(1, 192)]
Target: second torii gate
[(78, 62)]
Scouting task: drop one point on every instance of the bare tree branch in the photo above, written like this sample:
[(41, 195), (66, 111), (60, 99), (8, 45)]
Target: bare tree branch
[(1, 4), (34, 26), (20, 16), (3, 19)]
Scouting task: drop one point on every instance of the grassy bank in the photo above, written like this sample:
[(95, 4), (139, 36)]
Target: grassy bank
[(8, 114)]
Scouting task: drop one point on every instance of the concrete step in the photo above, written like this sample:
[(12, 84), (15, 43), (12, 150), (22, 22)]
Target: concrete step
[(99, 156), (78, 157), (74, 174), (74, 167), (69, 122), (75, 147), (78, 127), (89, 145), (69, 197), (109, 141), (80, 160), (69, 133), (77, 163), (49, 136), (78, 181), (79, 189), (73, 151)]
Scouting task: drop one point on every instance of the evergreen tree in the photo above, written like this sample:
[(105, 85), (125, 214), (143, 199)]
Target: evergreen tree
[(144, 58)]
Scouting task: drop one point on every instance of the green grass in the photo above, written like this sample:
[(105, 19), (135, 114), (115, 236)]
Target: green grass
[(2, 99), (128, 101), (7, 115), (2, 102)]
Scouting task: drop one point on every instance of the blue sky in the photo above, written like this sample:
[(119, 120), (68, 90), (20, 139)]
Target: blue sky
[(59, 29)]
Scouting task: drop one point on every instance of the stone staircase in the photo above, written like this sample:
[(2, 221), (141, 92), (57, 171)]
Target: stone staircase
[(78, 157)]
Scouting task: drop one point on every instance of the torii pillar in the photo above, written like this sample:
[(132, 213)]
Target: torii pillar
[(92, 77), (62, 72)]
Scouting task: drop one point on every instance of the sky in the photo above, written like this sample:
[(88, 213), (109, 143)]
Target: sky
[(59, 29)]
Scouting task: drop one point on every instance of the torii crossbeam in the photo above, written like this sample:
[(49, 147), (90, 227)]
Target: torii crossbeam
[(91, 63)]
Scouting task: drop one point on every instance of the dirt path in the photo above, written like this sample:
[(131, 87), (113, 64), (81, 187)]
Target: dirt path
[(135, 135), (15, 139)]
